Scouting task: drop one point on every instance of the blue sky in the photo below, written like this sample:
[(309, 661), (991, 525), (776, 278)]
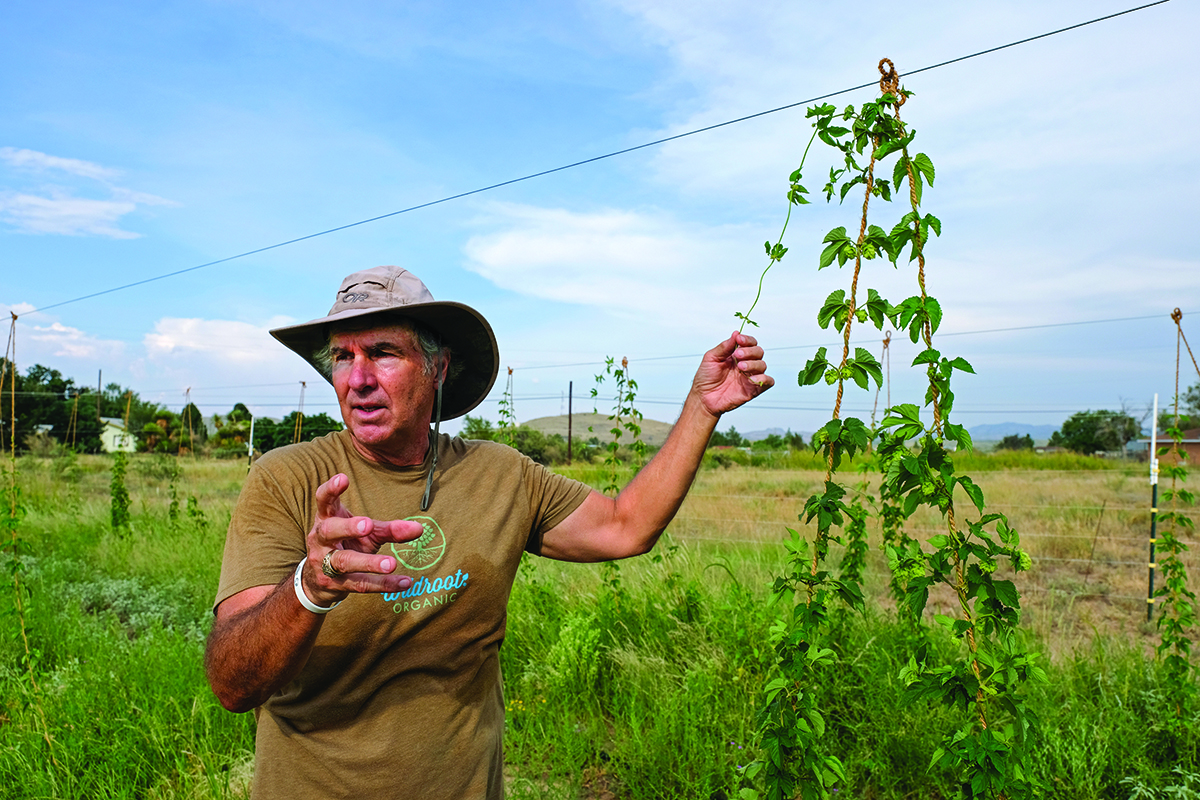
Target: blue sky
[(141, 139)]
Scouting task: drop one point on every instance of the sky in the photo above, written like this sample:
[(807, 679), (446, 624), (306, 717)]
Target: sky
[(139, 140)]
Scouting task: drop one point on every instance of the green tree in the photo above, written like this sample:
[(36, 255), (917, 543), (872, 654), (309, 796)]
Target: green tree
[(532, 443), (1089, 432), (1015, 442), (772, 441), (729, 438), (192, 422), (46, 397), (1189, 411), (266, 432), (477, 428), (312, 427)]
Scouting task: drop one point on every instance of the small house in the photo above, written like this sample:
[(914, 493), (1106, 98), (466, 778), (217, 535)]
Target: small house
[(1189, 446), (114, 438)]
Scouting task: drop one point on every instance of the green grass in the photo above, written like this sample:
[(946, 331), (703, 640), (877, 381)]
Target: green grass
[(640, 681)]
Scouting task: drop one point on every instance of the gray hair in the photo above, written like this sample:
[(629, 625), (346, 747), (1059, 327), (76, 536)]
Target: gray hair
[(429, 343)]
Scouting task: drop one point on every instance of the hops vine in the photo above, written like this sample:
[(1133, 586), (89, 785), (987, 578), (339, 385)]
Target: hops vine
[(988, 750)]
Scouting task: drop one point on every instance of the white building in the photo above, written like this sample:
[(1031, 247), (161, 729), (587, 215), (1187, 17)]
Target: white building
[(113, 436)]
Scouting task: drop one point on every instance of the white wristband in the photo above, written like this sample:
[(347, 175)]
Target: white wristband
[(303, 598)]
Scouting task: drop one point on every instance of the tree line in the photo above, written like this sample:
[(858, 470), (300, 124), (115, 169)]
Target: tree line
[(45, 411), (53, 410), (1106, 431)]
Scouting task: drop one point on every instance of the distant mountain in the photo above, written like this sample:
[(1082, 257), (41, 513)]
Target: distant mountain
[(997, 431), (654, 433), (754, 436)]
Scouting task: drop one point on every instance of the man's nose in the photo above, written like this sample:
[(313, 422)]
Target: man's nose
[(362, 375)]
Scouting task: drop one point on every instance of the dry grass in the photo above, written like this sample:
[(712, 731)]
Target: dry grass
[(1088, 533)]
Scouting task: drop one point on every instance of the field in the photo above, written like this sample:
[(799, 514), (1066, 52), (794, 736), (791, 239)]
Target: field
[(635, 682)]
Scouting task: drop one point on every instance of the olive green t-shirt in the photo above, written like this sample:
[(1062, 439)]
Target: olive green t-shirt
[(401, 696)]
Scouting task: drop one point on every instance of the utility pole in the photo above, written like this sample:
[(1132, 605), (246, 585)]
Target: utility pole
[(299, 415), (570, 401)]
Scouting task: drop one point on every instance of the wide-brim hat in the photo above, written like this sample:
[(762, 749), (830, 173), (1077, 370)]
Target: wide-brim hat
[(397, 291)]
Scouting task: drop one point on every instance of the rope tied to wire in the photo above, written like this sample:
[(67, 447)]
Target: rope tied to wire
[(890, 82), (1177, 317)]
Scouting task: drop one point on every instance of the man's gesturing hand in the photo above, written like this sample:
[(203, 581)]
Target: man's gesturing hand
[(351, 544), (730, 374)]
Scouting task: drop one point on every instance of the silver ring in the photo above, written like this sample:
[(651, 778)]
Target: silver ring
[(328, 568)]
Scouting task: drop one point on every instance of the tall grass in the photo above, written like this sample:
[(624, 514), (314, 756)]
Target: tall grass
[(639, 682)]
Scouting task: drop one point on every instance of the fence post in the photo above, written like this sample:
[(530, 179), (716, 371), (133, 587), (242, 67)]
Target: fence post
[(1153, 507)]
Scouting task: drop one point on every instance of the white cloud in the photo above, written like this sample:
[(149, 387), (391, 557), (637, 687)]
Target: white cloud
[(20, 309), (634, 263), (52, 208), (35, 161), (44, 342), (225, 341), (65, 215)]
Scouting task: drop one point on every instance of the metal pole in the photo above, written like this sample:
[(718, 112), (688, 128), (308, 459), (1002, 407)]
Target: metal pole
[(1153, 507), (570, 400)]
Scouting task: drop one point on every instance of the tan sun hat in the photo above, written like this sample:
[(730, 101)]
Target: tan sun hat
[(393, 289)]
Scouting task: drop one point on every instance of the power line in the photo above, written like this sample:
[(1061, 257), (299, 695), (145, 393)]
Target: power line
[(831, 343), (586, 161)]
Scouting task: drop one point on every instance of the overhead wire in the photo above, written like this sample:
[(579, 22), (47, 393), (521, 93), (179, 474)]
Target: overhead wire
[(592, 160), (776, 349)]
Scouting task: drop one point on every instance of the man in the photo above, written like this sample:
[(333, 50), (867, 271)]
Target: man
[(415, 538)]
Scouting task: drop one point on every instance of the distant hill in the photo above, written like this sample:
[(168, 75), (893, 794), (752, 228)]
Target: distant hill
[(755, 436), (997, 431), (654, 433)]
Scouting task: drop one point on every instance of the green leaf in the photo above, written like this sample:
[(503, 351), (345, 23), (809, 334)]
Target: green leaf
[(869, 365), (927, 356), (829, 254), (858, 374), (961, 365), (887, 148), (973, 491), (1006, 593), (923, 163), (934, 309), (836, 235), (933, 222), (836, 309), (908, 412), (900, 171), (814, 370), (848, 185), (876, 308), (959, 434)]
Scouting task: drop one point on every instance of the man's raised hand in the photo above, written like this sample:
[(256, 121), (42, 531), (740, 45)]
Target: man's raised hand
[(731, 374), (348, 544)]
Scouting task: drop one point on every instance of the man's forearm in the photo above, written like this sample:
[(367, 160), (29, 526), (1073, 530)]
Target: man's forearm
[(649, 503), (601, 528), (255, 651)]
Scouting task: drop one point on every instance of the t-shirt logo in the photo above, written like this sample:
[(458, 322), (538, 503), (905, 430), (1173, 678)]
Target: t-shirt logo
[(424, 551)]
